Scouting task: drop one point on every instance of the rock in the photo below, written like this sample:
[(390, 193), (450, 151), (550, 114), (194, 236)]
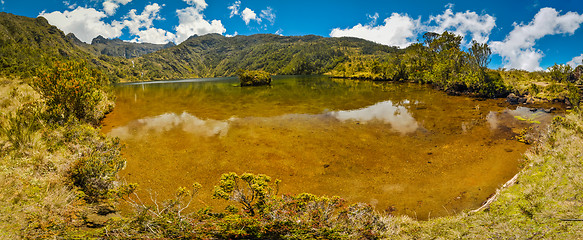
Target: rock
[(512, 98), (550, 110), (530, 100)]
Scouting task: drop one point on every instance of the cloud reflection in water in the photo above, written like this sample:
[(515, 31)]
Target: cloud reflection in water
[(168, 121), (385, 112), (398, 116)]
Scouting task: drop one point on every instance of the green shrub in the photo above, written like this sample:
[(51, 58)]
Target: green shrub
[(254, 78), (19, 127), (71, 90), (94, 172), (251, 191)]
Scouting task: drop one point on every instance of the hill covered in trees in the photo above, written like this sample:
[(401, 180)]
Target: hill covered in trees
[(214, 55)]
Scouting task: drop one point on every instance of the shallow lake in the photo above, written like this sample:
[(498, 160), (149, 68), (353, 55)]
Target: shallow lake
[(403, 148)]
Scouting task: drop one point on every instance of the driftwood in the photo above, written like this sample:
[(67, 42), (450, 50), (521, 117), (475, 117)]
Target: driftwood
[(495, 196)]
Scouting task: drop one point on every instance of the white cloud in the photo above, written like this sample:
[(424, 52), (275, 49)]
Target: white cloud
[(576, 61), (191, 21), (111, 6), (85, 23), (401, 30), (146, 19), (373, 18), (517, 49), (198, 4), (234, 34), (249, 15), (268, 15), (398, 30), (466, 23), (142, 25), (234, 8), (279, 32)]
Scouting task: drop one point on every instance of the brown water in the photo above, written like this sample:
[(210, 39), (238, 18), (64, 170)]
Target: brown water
[(404, 147)]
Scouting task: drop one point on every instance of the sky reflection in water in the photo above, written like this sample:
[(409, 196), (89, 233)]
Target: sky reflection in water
[(385, 112)]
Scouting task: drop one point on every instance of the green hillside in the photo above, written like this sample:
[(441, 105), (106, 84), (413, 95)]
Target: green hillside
[(27, 44), (214, 55)]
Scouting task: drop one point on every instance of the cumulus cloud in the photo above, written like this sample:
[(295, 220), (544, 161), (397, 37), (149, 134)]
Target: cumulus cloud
[(247, 15), (517, 49), (85, 23), (142, 25), (467, 23), (398, 30), (111, 6), (198, 4), (402, 30), (234, 8), (576, 61), (191, 21), (268, 15)]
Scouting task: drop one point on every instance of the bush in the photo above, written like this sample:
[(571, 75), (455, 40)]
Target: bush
[(254, 78), (94, 172), (19, 127), (71, 90), (251, 191)]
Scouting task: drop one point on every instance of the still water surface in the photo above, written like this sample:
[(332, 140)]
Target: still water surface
[(401, 147)]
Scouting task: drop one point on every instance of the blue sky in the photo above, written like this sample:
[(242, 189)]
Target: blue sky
[(524, 34)]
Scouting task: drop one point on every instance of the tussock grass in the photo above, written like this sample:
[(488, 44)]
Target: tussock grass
[(38, 199)]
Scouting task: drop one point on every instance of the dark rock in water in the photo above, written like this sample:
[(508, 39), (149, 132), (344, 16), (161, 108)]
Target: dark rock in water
[(533, 109), (512, 98), (550, 110)]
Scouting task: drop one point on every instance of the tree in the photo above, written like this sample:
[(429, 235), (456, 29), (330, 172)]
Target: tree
[(480, 54), (560, 72)]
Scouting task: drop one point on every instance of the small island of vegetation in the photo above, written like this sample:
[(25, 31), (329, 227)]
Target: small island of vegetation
[(254, 78)]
